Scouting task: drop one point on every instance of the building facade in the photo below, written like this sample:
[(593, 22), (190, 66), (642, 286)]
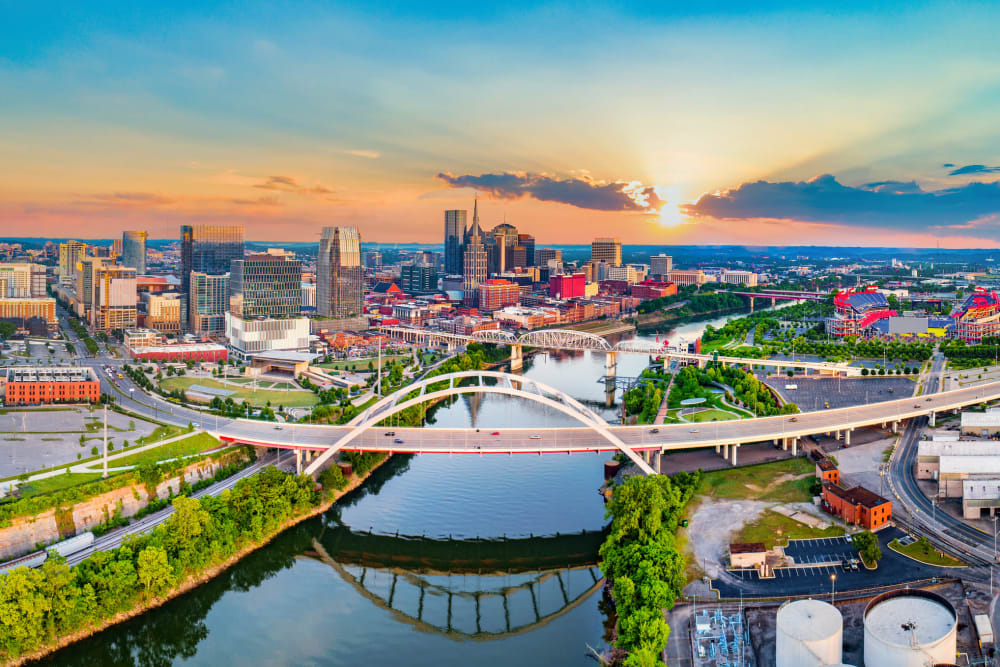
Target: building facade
[(36, 386), (742, 278), (857, 505), (134, 250), (339, 276), (207, 303), (114, 299), (70, 253), (606, 250), (418, 278), (209, 249), (454, 230), (265, 286), (660, 265), (497, 294), (692, 277), (474, 261), (248, 337), (567, 286), (21, 280), (163, 312), (35, 316)]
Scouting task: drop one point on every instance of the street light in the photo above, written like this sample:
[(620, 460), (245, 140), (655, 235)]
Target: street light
[(833, 587)]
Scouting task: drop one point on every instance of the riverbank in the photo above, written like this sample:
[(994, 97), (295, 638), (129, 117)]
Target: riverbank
[(650, 322), (194, 581)]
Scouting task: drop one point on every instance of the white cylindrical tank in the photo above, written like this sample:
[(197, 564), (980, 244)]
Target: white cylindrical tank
[(809, 633), (910, 628)]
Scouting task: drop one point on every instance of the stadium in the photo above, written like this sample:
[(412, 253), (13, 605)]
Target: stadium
[(978, 316), (858, 309)]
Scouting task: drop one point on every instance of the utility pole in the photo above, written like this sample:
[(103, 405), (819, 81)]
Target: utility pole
[(104, 474)]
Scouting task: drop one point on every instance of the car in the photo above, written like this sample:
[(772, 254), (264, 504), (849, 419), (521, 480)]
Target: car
[(277, 427), (694, 430), (794, 419), (398, 441), (495, 433), (654, 430), (854, 563), (846, 564), (917, 406), (536, 437), (928, 399), (390, 434)]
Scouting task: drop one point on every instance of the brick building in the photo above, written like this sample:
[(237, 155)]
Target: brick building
[(857, 505), (827, 471), (497, 294), (34, 386)]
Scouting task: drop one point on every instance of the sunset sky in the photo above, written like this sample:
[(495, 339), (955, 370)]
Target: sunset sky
[(856, 125)]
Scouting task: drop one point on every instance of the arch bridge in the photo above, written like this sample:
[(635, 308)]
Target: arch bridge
[(476, 382)]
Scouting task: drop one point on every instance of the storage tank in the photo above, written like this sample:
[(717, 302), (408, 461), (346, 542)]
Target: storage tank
[(910, 628), (809, 633)]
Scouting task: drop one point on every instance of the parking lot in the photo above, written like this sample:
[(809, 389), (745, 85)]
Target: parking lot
[(894, 568), (822, 550), (813, 393)]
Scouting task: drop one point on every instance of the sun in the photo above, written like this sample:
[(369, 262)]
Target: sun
[(670, 215)]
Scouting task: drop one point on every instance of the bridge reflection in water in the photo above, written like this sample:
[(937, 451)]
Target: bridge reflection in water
[(466, 589)]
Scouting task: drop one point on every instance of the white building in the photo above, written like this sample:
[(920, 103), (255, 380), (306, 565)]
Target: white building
[(743, 278), (661, 265), (248, 337)]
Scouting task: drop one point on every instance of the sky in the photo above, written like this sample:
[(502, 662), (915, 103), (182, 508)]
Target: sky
[(777, 123)]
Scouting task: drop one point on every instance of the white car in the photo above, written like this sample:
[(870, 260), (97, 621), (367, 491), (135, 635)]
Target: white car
[(536, 437)]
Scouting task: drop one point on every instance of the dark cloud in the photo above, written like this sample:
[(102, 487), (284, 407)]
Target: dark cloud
[(823, 199), (580, 192), (972, 169), (947, 165), (289, 184)]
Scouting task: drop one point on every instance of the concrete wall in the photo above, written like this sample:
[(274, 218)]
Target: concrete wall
[(25, 533)]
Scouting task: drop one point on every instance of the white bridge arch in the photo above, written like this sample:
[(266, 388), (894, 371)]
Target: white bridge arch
[(507, 384)]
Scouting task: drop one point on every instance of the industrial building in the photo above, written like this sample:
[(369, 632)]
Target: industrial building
[(33, 386), (981, 424), (930, 452), (747, 554), (857, 505)]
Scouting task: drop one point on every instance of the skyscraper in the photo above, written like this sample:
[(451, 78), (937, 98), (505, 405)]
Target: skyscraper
[(207, 303), (69, 254), (661, 265), (473, 261), (114, 298), (528, 241), (134, 251), (454, 231), (606, 250), (265, 285), (339, 276), (86, 272), (208, 249)]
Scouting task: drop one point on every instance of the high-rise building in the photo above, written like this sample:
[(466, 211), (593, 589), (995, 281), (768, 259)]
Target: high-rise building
[(21, 280), (373, 260), (114, 298), (506, 235), (86, 272), (69, 254), (527, 241), (163, 312), (339, 277), (606, 250), (134, 251), (567, 286), (543, 255), (454, 232), (474, 261), (660, 265), (208, 249), (417, 278), (264, 285), (207, 302), (518, 257)]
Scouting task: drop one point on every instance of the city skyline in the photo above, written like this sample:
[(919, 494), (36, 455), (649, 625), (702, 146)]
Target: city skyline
[(667, 126)]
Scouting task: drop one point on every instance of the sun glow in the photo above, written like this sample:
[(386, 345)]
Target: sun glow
[(670, 215)]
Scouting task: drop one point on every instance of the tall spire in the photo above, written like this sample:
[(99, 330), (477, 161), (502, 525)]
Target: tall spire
[(475, 230)]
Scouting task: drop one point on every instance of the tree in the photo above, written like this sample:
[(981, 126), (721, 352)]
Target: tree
[(154, 571), (867, 545)]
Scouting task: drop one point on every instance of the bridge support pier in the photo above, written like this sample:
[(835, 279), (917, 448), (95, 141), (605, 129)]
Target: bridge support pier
[(836, 435), (895, 427), (610, 371), (717, 447), (933, 421), (774, 302), (847, 436), (516, 358), (725, 451), (751, 304), (298, 461), (735, 448)]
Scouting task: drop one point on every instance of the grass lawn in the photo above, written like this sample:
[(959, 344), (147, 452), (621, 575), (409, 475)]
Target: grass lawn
[(773, 529), (925, 553), (289, 399), (197, 443), (159, 433), (782, 481), (711, 415), (362, 363), (57, 483)]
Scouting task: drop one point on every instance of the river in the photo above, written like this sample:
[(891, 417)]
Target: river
[(435, 560)]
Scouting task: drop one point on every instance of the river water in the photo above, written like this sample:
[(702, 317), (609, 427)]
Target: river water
[(436, 560)]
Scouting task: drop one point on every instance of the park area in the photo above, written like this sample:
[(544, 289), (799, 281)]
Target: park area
[(254, 395)]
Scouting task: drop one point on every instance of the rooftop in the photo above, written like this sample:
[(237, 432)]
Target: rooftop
[(980, 465), (981, 489), (856, 495), (51, 374), (958, 448), (980, 419), (747, 548)]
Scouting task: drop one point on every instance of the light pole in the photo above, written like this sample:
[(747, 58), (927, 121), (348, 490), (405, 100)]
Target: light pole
[(833, 587)]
